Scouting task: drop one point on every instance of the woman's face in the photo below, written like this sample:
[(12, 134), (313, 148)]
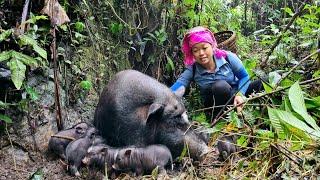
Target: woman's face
[(202, 53)]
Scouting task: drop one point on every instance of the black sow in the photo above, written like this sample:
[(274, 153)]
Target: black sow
[(136, 109)]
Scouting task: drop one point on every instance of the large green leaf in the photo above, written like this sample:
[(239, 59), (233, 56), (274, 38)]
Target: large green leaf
[(275, 122), (5, 55), (296, 134), (4, 35), (288, 118), (26, 40), (27, 60), (18, 70), (297, 102)]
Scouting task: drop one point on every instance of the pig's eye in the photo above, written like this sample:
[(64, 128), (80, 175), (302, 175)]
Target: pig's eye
[(78, 128)]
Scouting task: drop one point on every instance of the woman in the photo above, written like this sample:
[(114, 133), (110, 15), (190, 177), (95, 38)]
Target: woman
[(219, 74)]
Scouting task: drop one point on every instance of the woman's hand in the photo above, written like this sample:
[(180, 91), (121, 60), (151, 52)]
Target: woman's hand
[(238, 99)]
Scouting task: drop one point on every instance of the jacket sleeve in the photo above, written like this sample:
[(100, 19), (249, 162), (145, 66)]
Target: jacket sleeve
[(240, 72), (184, 79)]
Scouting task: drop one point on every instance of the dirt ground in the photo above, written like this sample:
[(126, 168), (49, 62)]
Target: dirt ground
[(16, 163)]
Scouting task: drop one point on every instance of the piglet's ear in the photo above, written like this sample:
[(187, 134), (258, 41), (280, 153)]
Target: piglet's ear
[(180, 91), (128, 152), (155, 109)]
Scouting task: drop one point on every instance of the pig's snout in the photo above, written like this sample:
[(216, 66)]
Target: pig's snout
[(185, 117), (115, 166), (85, 160), (184, 123)]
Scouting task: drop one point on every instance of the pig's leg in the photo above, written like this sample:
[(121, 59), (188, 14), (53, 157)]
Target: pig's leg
[(162, 170), (74, 170), (139, 171)]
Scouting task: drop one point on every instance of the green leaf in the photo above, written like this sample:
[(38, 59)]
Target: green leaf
[(316, 74), (297, 134), (287, 104), (64, 27), (250, 65), (265, 133), (5, 118), (288, 118), (18, 70), (5, 34), (26, 40), (33, 94), (40, 51), (155, 172), (234, 119), (275, 122), (242, 141), (200, 117), (34, 19), (313, 103), (297, 102), (267, 87), (3, 105), (286, 82), (27, 60), (263, 145), (183, 153), (85, 85), (288, 10), (38, 175), (169, 65), (5, 55), (79, 26)]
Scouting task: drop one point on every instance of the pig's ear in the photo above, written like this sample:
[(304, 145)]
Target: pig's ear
[(128, 152), (180, 91), (104, 150), (155, 109)]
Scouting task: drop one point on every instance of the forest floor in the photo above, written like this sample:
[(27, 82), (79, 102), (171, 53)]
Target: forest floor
[(42, 165)]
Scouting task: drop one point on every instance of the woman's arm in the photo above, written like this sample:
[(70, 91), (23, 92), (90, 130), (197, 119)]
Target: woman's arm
[(184, 79), (243, 80), (240, 72)]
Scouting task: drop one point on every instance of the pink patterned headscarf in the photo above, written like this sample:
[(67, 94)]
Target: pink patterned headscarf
[(196, 35)]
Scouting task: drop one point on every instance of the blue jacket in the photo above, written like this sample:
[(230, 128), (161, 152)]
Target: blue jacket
[(231, 70)]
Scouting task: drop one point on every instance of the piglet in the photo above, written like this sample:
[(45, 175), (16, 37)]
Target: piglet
[(100, 155), (226, 146), (59, 141), (143, 159), (77, 149)]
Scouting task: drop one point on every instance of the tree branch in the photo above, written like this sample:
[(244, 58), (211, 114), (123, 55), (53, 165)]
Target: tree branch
[(263, 63)]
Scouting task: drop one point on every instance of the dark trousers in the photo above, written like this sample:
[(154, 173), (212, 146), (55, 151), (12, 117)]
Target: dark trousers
[(220, 92)]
